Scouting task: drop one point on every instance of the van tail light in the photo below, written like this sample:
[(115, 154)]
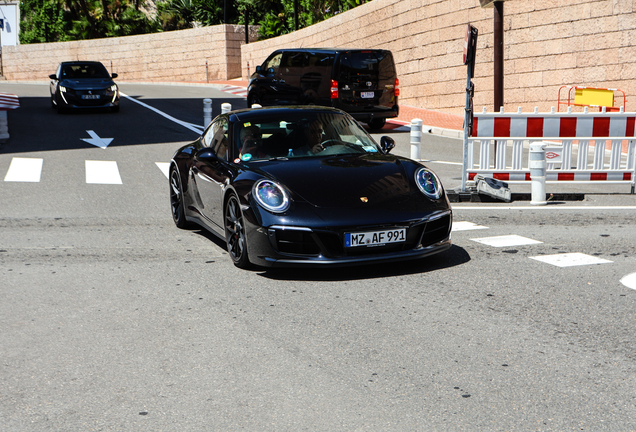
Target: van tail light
[(334, 89), (396, 89)]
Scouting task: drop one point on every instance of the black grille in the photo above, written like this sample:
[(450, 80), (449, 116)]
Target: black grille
[(296, 242), (436, 231), (331, 243)]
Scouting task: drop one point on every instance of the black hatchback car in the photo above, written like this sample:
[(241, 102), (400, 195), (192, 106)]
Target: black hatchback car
[(83, 84), (361, 82)]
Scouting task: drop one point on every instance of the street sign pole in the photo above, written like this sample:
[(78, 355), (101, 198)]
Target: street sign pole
[(1, 53), (470, 48)]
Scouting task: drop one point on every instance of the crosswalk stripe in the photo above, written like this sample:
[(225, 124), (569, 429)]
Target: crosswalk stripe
[(24, 170), (570, 259), (629, 281), (164, 167), (506, 241), (466, 226), (102, 172)]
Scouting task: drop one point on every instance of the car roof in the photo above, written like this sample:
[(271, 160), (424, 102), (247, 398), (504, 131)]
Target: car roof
[(247, 113), (78, 62), (329, 50)]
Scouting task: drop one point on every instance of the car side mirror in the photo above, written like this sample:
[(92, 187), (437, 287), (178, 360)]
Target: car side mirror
[(53, 76), (387, 143), (259, 69), (206, 155), (114, 75)]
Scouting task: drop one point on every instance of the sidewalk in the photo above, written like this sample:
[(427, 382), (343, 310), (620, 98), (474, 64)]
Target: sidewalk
[(436, 122)]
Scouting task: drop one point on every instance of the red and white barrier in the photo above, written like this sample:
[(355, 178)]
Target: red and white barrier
[(9, 101), (586, 147)]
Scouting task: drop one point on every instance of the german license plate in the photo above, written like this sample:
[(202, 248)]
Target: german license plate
[(375, 238), (90, 96), (367, 95)]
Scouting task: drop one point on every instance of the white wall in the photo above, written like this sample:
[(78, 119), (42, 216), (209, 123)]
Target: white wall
[(10, 13)]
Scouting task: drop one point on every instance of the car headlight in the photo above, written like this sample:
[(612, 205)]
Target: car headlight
[(113, 87), (271, 196), (428, 183), (63, 89)]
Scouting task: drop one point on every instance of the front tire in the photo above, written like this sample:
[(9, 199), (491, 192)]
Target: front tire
[(177, 205), (235, 233)]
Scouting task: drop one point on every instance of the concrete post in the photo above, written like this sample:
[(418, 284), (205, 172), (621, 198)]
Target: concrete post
[(225, 108), (416, 138), (207, 112), (537, 165)]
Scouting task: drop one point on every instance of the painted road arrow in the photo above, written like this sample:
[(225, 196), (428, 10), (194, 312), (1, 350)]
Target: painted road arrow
[(96, 140)]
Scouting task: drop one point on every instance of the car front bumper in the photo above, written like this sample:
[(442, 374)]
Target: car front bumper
[(86, 99), (287, 246)]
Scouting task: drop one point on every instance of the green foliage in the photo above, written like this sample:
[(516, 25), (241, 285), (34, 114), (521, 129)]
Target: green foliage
[(63, 20), (43, 21), (278, 18), (182, 14)]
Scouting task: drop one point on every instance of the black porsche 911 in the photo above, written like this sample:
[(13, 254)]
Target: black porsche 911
[(83, 84), (307, 186)]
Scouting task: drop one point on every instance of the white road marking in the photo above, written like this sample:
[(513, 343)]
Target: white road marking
[(570, 259), (193, 128), (506, 241), (629, 281), (102, 172), (96, 140), (24, 170), (164, 167), (440, 162), (466, 226), (547, 207)]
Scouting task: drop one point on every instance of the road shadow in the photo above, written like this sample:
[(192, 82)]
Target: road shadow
[(38, 127), (455, 256)]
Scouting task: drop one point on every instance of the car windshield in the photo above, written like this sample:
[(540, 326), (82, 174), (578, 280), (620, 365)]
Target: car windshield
[(90, 70), (300, 134)]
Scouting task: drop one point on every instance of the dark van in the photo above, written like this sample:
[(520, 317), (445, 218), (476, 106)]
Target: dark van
[(362, 82)]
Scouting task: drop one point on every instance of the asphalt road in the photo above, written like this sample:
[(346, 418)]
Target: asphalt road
[(112, 319)]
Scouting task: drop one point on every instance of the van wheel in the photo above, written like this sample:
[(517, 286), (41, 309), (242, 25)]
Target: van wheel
[(253, 99), (377, 124)]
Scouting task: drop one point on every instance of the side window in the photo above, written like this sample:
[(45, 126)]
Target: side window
[(319, 64), (273, 63), (209, 135), (216, 138), (295, 59)]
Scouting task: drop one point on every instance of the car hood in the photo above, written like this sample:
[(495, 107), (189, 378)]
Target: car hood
[(87, 83), (355, 181)]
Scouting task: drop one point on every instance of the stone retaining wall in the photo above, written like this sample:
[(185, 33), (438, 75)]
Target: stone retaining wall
[(548, 43), (169, 56)]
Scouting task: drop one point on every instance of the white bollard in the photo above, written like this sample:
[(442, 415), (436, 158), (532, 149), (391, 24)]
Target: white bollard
[(416, 138), (207, 112), (225, 108), (537, 165)]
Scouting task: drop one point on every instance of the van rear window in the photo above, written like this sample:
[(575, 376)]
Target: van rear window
[(372, 64)]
